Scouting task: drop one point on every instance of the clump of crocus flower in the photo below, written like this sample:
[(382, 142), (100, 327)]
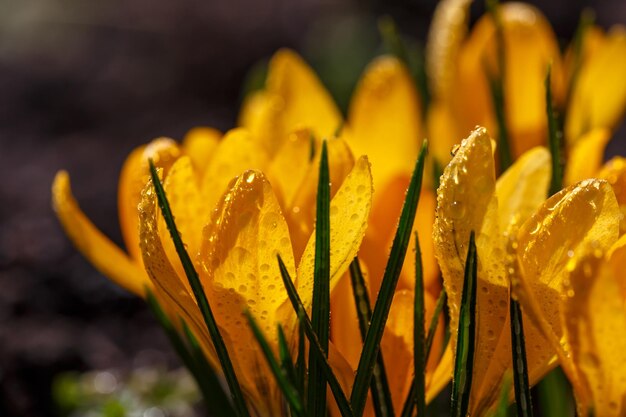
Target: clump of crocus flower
[(244, 243)]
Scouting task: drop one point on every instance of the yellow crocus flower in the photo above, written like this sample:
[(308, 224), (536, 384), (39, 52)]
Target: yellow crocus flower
[(511, 219), (458, 66), (384, 122), (233, 228)]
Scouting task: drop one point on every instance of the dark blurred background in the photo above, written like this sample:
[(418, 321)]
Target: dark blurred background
[(84, 82)]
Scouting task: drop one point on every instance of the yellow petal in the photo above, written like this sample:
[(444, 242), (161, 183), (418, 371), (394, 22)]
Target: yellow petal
[(188, 208), (344, 326), (109, 259), (466, 202), (236, 152), (384, 119), (290, 165), (261, 115), (301, 214), (443, 131), (240, 271), (530, 47), (349, 211), (599, 95), (523, 187), (173, 291), (199, 144), (133, 178), (447, 31), (578, 215), (594, 319), (305, 103), (586, 156), (614, 171), (441, 376)]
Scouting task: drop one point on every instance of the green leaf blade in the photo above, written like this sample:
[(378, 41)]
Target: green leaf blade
[(320, 308), (391, 275), (464, 360), (419, 338), (555, 139), (523, 399), (381, 395)]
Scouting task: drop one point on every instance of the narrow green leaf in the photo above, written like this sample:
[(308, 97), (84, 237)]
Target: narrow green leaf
[(300, 360), (320, 308), (381, 396), (215, 399), (286, 361), (409, 402), (314, 343), (555, 395), (464, 360), (419, 338), (371, 346), (502, 407), (520, 367), (496, 87), (392, 38), (555, 137), (289, 391), (201, 299)]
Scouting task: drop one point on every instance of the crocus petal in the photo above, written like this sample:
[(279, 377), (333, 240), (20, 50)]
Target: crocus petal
[(523, 187), (183, 194), (594, 317), (447, 31), (109, 259), (578, 215), (530, 47), (599, 95), (466, 202), (199, 144), (133, 178), (240, 271), (614, 171), (261, 115), (236, 152), (617, 259), (586, 156), (385, 119), (304, 101), (290, 166), (349, 211)]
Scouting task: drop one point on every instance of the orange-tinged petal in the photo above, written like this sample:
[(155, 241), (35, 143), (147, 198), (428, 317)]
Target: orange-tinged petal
[(133, 178), (442, 131), (594, 319), (199, 144), (109, 259), (581, 214), (441, 376), (465, 203), (349, 211), (523, 187), (304, 101), (617, 259), (586, 156), (344, 323), (240, 271), (599, 95), (530, 47), (385, 119), (614, 171), (237, 152), (447, 31)]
